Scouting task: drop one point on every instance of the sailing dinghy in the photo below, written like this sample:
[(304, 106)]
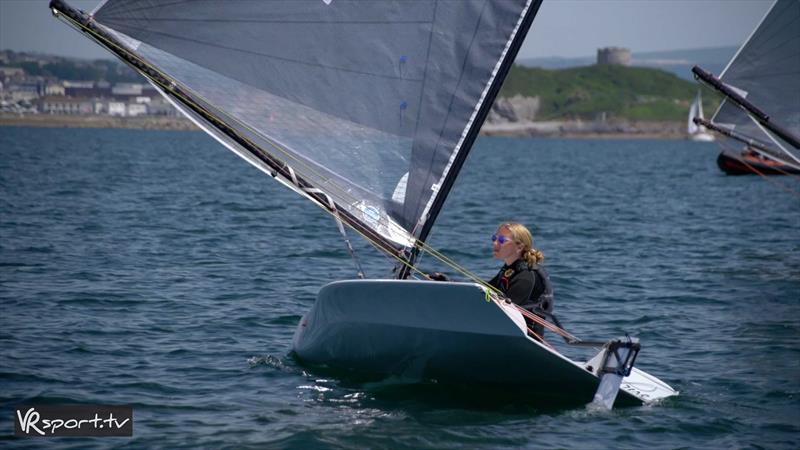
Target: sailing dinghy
[(368, 109), (759, 119)]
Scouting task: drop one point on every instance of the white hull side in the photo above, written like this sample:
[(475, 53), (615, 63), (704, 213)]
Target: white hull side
[(420, 330)]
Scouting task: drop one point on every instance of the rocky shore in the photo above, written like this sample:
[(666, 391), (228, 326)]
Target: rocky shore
[(496, 127), (587, 130)]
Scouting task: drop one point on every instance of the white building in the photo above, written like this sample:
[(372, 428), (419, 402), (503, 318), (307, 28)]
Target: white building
[(137, 109), (127, 89), (65, 105), (54, 89), (116, 109)]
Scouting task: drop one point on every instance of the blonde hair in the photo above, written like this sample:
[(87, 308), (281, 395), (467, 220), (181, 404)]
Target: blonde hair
[(522, 235)]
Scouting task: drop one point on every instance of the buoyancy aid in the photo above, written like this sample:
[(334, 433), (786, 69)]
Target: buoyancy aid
[(541, 291)]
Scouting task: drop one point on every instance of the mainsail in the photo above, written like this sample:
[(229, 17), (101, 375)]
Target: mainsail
[(369, 108), (766, 72)]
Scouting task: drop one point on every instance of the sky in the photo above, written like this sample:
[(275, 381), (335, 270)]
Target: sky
[(562, 28)]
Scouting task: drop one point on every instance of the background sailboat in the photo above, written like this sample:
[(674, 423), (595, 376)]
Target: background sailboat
[(760, 116), (697, 132)]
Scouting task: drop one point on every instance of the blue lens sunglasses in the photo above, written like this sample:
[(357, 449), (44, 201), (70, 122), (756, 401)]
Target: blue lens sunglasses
[(501, 239)]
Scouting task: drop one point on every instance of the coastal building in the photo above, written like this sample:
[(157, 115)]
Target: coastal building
[(51, 104), (613, 56), (127, 89), (86, 89), (159, 106), (23, 92), (54, 89), (116, 109), (11, 74), (136, 109)]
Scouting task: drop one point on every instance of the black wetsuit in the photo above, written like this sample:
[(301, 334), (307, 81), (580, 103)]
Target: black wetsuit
[(527, 286)]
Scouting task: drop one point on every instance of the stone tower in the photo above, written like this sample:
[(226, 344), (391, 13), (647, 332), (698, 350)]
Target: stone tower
[(613, 56)]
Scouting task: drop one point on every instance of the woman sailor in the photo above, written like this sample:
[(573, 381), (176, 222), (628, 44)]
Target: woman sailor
[(522, 278)]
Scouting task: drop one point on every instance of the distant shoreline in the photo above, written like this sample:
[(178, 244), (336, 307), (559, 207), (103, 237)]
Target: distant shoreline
[(588, 130), (96, 121), (550, 129)]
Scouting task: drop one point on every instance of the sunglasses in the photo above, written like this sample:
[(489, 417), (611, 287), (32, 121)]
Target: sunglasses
[(501, 239)]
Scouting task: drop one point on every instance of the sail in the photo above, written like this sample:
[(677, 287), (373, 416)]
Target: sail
[(696, 110), (697, 132), (766, 71), (373, 103)]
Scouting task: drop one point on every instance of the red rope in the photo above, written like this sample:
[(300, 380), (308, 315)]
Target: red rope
[(780, 185), (559, 331)]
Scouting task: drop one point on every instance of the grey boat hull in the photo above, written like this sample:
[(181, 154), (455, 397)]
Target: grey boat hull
[(443, 331)]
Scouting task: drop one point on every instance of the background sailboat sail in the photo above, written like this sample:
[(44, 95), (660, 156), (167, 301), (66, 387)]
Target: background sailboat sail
[(375, 104), (697, 132), (766, 71)]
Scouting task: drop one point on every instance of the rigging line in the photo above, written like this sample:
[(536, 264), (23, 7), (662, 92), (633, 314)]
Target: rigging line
[(568, 337), (558, 330), (380, 248), (176, 37), (335, 212), (454, 265)]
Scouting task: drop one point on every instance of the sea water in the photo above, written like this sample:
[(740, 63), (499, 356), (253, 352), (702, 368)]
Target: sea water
[(158, 270)]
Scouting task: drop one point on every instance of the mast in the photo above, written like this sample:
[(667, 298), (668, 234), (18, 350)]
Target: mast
[(472, 133), (85, 24)]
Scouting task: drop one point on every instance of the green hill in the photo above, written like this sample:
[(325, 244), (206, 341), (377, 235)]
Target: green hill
[(634, 93)]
